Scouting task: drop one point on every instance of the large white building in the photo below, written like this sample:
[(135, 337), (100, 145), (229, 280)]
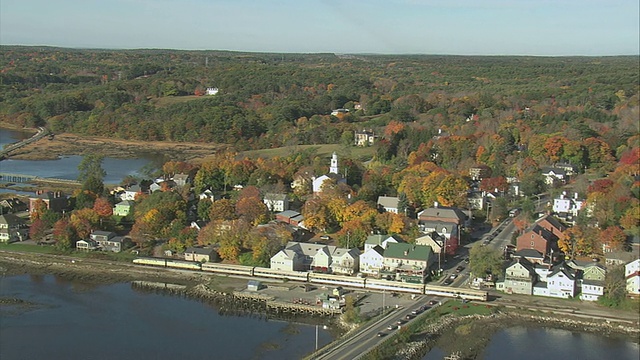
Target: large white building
[(333, 174), (298, 256)]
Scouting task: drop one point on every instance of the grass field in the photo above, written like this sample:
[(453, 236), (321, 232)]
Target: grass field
[(28, 248)]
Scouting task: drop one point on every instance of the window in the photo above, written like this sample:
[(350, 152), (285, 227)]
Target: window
[(533, 243)]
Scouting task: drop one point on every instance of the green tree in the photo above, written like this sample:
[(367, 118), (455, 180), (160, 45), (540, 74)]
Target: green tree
[(483, 260), (91, 174), (614, 286)]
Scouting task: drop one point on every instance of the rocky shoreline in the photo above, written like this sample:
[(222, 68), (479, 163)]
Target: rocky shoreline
[(474, 332)]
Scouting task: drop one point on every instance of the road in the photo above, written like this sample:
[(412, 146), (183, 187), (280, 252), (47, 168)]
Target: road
[(42, 132), (367, 338)]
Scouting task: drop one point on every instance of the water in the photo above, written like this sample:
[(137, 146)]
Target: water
[(536, 343), (79, 321), (66, 167), (11, 136)]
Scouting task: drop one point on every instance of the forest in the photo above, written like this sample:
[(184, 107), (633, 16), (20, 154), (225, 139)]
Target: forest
[(434, 118)]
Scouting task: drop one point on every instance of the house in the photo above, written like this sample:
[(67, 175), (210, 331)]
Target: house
[(476, 200), (12, 228), (389, 203), (107, 240), (207, 195), (211, 91), (543, 236), (333, 174), (632, 277), (289, 260), (200, 254), (560, 283), (380, 240), (364, 138), (198, 224), (519, 277), (444, 214), (337, 112), (131, 193), (532, 255), (591, 279), (345, 261), (276, 202), (317, 257), (86, 245), (181, 179), (479, 172), (123, 208), (553, 174), (450, 231), (55, 201), (371, 261), (567, 208), (569, 169), (437, 242), (12, 205), (290, 217), (409, 262)]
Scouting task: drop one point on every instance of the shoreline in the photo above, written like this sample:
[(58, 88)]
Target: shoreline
[(219, 290)]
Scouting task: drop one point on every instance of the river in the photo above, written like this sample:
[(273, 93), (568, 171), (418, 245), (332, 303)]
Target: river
[(66, 167), (540, 343), (74, 320)]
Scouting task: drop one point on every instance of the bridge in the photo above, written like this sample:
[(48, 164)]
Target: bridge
[(42, 132), (24, 178)]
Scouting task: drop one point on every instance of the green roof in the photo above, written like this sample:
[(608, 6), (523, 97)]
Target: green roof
[(408, 251), (375, 239)]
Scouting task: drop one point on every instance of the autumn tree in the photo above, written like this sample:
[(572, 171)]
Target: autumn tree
[(252, 210), (64, 234), (84, 221), (37, 230), (223, 209), (103, 207), (390, 223), (613, 238)]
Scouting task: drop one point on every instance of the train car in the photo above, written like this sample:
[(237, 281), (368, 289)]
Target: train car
[(348, 281), (229, 269), (281, 274), (151, 261), (181, 264), (467, 294), (378, 284)]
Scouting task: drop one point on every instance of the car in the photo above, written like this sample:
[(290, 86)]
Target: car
[(453, 276), (417, 311), (409, 317), (466, 260), (400, 322), (325, 237), (391, 327), (449, 281), (432, 302), (459, 268), (381, 334)]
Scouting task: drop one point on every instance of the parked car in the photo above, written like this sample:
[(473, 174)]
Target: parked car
[(453, 276), (466, 260), (381, 334), (449, 281), (432, 302), (459, 268)]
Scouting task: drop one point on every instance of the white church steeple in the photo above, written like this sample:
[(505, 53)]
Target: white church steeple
[(334, 164)]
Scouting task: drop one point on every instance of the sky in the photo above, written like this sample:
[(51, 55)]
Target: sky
[(456, 27)]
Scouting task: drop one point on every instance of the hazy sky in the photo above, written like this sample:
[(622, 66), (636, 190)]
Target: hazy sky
[(487, 27)]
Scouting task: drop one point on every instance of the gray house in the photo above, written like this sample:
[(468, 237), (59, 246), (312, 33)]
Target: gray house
[(519, 277)]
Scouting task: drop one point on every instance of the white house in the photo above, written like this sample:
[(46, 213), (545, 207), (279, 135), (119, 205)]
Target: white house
[(345, 261), (372, 260), (276, 202), (389, 203), (552, 174), (567, 207), (212, 91), (287, 260), (12, 228), (632, 276), (561, 283)]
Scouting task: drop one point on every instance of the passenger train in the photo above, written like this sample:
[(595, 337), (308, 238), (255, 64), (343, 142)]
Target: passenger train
[(317, 278)]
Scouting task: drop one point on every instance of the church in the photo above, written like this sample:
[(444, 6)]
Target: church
[(333, 174)]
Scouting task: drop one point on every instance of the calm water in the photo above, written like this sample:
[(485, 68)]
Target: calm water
[(537, 343), (67, 167), (10, 136), (77, 321)]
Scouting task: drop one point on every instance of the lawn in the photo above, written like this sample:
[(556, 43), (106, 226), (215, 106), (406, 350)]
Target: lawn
[(45, 249)]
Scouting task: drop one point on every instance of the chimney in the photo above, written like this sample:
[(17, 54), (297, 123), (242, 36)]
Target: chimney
[(575, 196), (435, 204), (406, 252)]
